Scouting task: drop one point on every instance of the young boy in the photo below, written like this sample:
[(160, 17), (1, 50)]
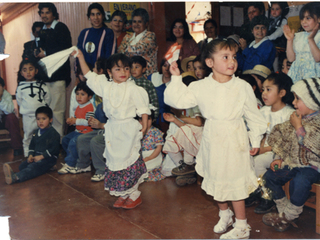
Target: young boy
[(139, 67), (9, 119), (261, 50), (297, 155), (260, 74), (82, 115), (43, 150)]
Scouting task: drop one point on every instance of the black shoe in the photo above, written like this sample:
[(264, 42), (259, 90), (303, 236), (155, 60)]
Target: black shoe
[(265, 206), (183, 169), (17, 152), (186, 179), (254, 198)]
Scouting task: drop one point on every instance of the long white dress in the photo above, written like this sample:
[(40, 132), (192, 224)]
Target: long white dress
[(223, 159)]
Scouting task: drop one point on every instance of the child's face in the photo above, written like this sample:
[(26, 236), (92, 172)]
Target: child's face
[(271, 94), (82, 97), (165, 69), (259, 32), (285, 67), (190, 66), (223, 62), (300, 107), (137, 70), (275, 10), (199, 71), (119, 74), (43, 121), (149, 122), (258, 81), (28, 71), (308, 22)]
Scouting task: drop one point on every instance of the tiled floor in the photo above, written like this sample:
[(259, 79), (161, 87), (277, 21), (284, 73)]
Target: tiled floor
[(69, 206)]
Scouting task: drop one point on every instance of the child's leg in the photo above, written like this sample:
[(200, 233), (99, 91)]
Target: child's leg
[(97, 146), (225, 215), (262, 162), (29, 125), (83, 148), (35, 169), (69, 144)]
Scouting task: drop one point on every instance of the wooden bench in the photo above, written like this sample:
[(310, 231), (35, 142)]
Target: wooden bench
[(4, 135), (313, 201)]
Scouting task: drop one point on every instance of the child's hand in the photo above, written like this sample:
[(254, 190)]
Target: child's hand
[(314, 32), (296, 120), (143, 130), (78, 53), (94, 123), (168, 117), (276, 162), (243, 43), (71, 121), (288, 33), (38, 158), (254, 151), (30, 159), (174, 70), (146, 159)]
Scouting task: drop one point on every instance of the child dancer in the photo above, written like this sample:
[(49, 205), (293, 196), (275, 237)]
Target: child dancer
[(31, 93), (277, 98), (303, 47), (122, 101), (43, 150), (83, 112), (224, 155), (297, 148)]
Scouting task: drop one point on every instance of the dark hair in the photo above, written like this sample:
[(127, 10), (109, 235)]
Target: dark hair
[(141, 12), (36, 25), (252, 81), (163, 61), (207, 70), (214, 23), (24, 62), (140, 60), (258, 5), (283, 81), (259, 20), (188, 79), (96, 6), (120, 14), (284, 8), (186, 34), (2, 82), (102, 64), (116, 58), (84, 87), (45, 110), (52, 8), (216, 45), (312, 7)]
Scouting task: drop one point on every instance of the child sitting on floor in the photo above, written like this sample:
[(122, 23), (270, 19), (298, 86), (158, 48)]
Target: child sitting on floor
[(297, 148), (80, 119), (43, 150)]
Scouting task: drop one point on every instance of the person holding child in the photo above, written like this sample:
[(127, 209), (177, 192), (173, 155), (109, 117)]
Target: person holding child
[(80, 119), (31, 93), (303, 48), (297, 149), (223, 159), (122, 101), (43, 150)]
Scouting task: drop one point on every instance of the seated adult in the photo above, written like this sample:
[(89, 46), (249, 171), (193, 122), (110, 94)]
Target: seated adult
[(180, 34), (210, 28), (141, 42), (261, 50), (160, 80), (9, 119), (252, 10), (118, 23), (99, 40), (32, 47)]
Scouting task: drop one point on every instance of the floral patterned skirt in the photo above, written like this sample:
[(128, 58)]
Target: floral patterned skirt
[(126, 181)]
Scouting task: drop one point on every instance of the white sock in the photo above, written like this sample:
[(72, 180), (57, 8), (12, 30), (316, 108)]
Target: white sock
[(135, 195), (241, 223), (224, 214)]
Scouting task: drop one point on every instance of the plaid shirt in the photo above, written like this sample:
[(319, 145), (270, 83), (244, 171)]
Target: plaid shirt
[(153, 97)]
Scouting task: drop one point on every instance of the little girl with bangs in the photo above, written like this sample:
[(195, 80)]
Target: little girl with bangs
[(223, 159), (122, 101)]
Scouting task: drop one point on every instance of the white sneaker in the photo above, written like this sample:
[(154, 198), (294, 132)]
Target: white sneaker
[(97, 178), (80, 170), (237, 233), (224, 222), (65, 169)]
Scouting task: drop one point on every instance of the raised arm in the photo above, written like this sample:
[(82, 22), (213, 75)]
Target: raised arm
[(289, 34)]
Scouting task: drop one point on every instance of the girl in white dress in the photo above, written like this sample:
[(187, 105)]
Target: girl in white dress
[(122, 101), (224, 155)]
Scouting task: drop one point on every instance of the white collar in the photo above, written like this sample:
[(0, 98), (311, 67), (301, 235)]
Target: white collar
[(53, 25), (256, 45), (135, 39)]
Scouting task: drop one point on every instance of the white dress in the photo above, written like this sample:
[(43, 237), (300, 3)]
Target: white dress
[(121, 103), (223, 159)]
